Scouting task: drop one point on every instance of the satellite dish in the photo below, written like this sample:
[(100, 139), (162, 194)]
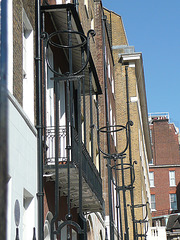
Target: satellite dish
[(17, 213)]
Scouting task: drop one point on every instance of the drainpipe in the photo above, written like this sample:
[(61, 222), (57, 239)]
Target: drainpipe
[(76, 3), (3, 116), (108, 134), (39, 123)]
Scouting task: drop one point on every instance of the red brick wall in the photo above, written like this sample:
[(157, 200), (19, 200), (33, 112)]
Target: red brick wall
[(162, 189), (165, 143)]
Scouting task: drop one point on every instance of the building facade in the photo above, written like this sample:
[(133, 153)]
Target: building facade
[(131, 114), (22, 134), (72, 174), (164, 169)]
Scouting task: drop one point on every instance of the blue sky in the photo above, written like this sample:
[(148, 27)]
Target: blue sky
[(153, 28)]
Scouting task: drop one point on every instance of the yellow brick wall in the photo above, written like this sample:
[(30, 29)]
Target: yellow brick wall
[(119, 38)]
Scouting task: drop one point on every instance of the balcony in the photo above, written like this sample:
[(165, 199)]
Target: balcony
[(91, 181)]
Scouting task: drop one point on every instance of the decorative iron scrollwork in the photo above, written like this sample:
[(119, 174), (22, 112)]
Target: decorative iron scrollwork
[(85, 44), (115, 129)]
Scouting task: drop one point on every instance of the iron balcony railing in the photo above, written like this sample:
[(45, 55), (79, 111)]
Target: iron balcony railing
[(50, 145), (89, 170)]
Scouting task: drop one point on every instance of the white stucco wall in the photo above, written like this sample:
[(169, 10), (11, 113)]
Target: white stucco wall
[(22, 164)]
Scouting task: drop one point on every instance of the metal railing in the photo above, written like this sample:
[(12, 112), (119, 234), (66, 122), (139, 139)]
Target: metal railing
[(50, 145), (89, 170)]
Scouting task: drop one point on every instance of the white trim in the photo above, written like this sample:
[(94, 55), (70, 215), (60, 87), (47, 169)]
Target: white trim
[(18, 107), (172, 179)]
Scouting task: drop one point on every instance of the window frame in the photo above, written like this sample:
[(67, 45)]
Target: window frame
[(151, 180), (174, 202), (172, 179), (153, 203)]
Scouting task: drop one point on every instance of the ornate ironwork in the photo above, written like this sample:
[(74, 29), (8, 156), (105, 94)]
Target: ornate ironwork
[(63, 137), (141, 225), (115, 129), (85, 44)]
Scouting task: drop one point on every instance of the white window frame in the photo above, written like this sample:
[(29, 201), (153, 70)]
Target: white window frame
[(58, 1), (109, 70), (112, 85), (111, 119), (153, 203), (86, 4), (172, 178), (115, 136), (151, 179), (171, 196), (92, 21)]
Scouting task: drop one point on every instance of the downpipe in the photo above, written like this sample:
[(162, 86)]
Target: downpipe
[(39, 123)]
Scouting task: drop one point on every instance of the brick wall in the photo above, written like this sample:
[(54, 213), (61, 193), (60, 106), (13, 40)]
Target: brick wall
[(18, 44), (162, 189), (165, 143), (165, 148), (140, 195)]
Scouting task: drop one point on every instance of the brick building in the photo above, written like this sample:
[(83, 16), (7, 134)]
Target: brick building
[(22, 138), (164, 168), (131, 111), (67, 98)]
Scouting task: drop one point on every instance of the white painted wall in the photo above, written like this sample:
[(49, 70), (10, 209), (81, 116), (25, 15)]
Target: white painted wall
[(97, 226), (157, 233), (22, 171)]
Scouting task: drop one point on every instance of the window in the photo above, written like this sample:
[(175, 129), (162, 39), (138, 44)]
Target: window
[(28, 68), (153, 202), (92, 21), (112, 82), (172, 181), (151, 162), (86, 5), (151, 179), (115, 137), (173, 201), (90, 145), (151, 136), (111, 120), (109, 69), (97, 160), (111, 116)]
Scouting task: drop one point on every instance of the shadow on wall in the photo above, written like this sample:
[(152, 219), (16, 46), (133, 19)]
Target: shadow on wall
[(178, 196)]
